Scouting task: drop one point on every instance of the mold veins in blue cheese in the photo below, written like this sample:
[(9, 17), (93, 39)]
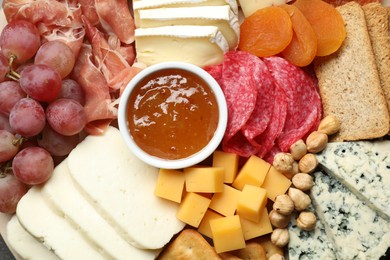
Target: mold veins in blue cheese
[(357, 231), (364, 168)]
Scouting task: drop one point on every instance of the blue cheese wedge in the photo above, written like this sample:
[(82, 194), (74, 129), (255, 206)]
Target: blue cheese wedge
[(199, 45), (219, 16), (121, 188), (308, 245), (364, 168), (357, 231), (63, 194), (25, 245)]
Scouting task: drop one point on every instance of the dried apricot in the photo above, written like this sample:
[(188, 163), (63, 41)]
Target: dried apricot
[(326, 22), (266, 32), (303, 46)]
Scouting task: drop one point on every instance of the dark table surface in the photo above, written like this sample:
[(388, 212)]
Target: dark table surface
[(5, 254)]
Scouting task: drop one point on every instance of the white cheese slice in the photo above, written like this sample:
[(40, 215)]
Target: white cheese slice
[(219, 16), (308, 245), (25, 245), (199, 45), (364, 168), (357, 231), (52, 229), (122, 187), (250, 6), (66, 198)]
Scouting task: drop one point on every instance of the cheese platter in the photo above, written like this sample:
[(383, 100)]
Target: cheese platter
[(301, 171)]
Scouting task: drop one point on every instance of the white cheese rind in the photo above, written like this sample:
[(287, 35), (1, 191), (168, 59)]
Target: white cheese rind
[(122, 187), (199, 45), (357, 231), (25, 245), (66, 198), (219, 16), (308, 245), (364, 168), (54, 231)]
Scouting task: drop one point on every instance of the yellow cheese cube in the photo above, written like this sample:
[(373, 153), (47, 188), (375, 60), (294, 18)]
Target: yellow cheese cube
[(225, 202), (252, 229), (204, 227), (228, 161), (192, 209), (253, 172), (227, 233), (170, 185), (275, 183), (251, 203), (204, 179)]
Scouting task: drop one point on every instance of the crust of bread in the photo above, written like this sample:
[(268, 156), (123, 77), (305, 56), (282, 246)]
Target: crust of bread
[(377, 18), (349, 82)]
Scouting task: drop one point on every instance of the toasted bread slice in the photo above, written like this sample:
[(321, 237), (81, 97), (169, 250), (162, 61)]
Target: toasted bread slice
[(349, 82), (377, 18)]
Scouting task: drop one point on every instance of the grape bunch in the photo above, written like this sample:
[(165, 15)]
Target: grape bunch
[(41, 109)]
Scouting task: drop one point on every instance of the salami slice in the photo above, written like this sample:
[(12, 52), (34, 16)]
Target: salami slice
[(215, 71), (300, 91)]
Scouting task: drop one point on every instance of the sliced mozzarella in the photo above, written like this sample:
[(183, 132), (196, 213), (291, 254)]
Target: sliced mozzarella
[(53, 230), (25, 245), (122, 187), (61, 191), (199, 45), (219, 16)]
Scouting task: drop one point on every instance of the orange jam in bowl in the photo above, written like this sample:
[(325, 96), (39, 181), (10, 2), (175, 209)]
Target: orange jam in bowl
[(172, 115)]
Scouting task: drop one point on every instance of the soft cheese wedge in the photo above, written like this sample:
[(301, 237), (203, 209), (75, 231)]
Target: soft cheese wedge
[(54, 231), (25, 245), (121, 188), (357, 231), (250, 6), (61, 191), (199, 45), (219, 16), (363, 167)]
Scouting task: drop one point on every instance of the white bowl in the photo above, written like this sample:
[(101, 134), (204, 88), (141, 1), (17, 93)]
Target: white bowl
[(177, 163)]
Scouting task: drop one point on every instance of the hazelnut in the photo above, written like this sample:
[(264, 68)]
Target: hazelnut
[(308, 163), (278, 220), (280, 237), (283, 162), (329, 125), (276, 257), (303, 181), (283, 205), (295, 170), (316, 142), (301, 200), (306, 220), (298, 149)]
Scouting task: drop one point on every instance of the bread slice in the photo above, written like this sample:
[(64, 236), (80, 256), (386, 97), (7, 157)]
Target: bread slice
[(349, 82), (377, 18)]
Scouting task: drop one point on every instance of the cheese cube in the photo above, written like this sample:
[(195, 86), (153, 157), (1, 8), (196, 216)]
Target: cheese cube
[(252, 229), (275, 183), (253, 172), (170, 185), (225, 202), (228, 161), (227, 234), (204, 227), (192, 209), (204, 179), (250, 6), (251, 203)]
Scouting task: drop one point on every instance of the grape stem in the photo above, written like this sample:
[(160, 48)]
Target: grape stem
[(11, 73), (5, 169)]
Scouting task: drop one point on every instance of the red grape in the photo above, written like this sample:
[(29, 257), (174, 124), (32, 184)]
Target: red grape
[(4, 67), (27, 117), (71, 89), (21, 39), (66, 116), (41, 82), (57, 144), (57, 55), (8, 146), (4, 124), (10, 94), (11, 191), (33, 165)]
